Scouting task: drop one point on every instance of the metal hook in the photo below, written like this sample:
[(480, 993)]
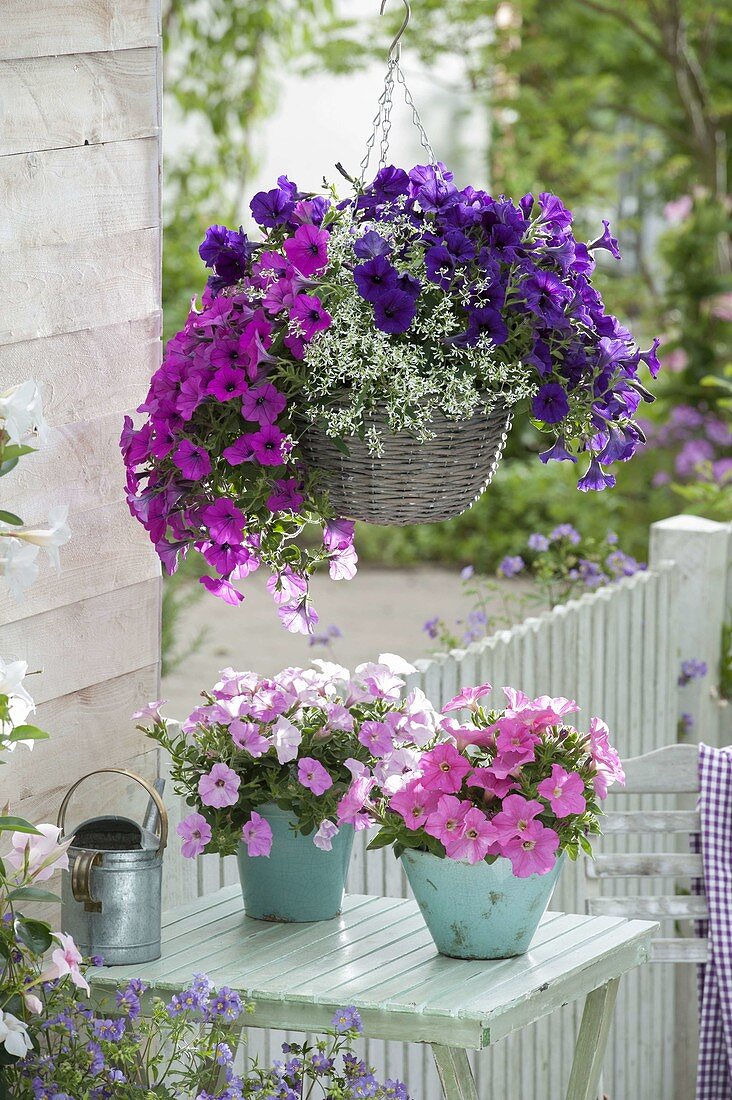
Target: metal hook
[(395, 50)]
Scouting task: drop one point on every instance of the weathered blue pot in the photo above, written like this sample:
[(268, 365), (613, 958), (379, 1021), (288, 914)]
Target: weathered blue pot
[(297, 882), (478, 911)]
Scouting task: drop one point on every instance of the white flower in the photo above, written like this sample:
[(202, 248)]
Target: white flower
[(18, 565), (56, 533), (13, 1035), (21, 413), (20, 703)]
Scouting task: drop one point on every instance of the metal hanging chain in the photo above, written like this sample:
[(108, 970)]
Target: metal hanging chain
[(382, 118)]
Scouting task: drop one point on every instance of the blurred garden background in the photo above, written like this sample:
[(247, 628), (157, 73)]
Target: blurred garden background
[(621, 107)]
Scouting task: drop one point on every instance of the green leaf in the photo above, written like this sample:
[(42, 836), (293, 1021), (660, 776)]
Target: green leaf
[(10, 517), (7, 466), (32, 893), (28, 733), (16, 451), (35, 934), (17, 825)]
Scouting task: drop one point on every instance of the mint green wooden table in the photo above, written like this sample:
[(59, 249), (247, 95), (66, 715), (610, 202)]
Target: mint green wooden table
[(379, 957)]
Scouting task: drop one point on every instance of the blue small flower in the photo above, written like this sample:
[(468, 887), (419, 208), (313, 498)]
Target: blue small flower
[(347, 1019)]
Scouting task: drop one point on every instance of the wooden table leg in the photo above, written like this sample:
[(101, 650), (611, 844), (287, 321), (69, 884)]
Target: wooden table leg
[(455, 1073), (592, 1042)]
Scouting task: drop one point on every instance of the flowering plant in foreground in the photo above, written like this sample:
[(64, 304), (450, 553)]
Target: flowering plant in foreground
[(184, 1050), (518, 782), (21, 427), (31, 954), (560, 565), (411, 298), (317, 742)]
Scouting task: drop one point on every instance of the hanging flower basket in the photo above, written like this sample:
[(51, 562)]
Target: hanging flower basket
[(364, 360), (409, 481)]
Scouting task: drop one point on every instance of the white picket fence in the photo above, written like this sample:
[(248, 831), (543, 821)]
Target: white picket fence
[(617, 652)]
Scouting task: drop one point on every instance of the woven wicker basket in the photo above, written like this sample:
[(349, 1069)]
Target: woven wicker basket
[(411, 482)]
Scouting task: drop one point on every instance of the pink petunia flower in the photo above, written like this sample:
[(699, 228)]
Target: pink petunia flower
[(150, 710), (468, 697), (564, 791), (192, 461), (307, 250), (343, 564), (607, 762), (354, 800), (287, 587), (257, 835), (220, 787), (488, 781), (325, 835), (447, 820), (476, 840), (299, 617), (312, 774), (246, 735), (515, 816), (534, 852), (263, 404), (377, 737), (196, 833), (444, 769), (414, 804), (287, 496), (338, 534)]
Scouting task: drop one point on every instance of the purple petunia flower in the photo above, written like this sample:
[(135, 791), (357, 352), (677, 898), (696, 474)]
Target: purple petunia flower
[(606, 241), (370, 246), (440, 266), (229, 382), (223, 589), (595, 479), (267, 445), (307, 250), (192, 461), (550, 404), (263, 404), (375, 278), (272, 208), (546, 296), (224, 521), (287, 497), (310, 316), (394, 312)]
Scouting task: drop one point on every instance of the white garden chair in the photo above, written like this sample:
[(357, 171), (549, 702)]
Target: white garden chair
[(673, 771)]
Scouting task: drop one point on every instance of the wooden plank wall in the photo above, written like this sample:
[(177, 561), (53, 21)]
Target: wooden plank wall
[(80, 312)]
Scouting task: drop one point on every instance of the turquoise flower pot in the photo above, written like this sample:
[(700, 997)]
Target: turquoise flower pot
[(297, 882), (478, 911)]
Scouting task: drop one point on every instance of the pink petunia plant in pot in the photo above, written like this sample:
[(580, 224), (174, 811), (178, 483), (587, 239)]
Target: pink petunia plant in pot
[(483, 821)]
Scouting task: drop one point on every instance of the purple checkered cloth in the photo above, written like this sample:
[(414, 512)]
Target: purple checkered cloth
[(714, 1073)]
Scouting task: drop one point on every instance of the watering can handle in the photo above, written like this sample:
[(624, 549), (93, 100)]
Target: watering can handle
[(159, 804)]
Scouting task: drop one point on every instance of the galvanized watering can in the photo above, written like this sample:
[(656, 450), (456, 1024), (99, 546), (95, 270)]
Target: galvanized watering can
[(112, 892)]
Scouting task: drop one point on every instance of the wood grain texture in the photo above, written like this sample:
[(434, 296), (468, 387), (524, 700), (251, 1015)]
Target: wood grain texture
[(76, 26), (82, 724), (592, 1042), (106, 97), (118, 358), (89, 193), (88, 642), (86, 284), (80, 464), (108, 550)]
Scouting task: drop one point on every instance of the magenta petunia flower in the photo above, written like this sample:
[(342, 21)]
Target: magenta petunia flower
[(564, 791), (195, 832), (192, 461), (287, 497), (477, 838), (468, 697), (224, 521), (220, 787), (240, 451), (534, 852), (446, 822), (230, 351), (257, 835), (225, 557), (338, 534), (223, 589), (263, 404), (229, 382), (312, 774), (267, 445), (310, 316), (307, 250), (443, 769)]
